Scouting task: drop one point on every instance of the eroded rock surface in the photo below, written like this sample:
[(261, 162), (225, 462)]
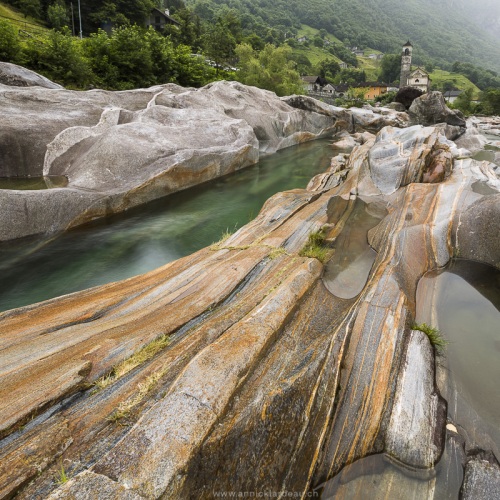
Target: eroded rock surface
[(121, 149), (256, 377)]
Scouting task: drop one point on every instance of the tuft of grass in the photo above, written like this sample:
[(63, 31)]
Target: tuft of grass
[(435, 336), (127, 365), (62, 476), (125, 408), (277, 252), (316, 247)]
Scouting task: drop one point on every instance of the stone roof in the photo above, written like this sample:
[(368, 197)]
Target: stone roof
[(165, 15), (314, 79)]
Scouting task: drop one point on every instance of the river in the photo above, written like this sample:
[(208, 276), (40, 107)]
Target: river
[(152, 235)]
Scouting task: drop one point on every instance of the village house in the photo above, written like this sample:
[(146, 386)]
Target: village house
[(358, 52), (372, 89), (314, 83), (341, 90), (451, 95), (343, 65), (157, 19)]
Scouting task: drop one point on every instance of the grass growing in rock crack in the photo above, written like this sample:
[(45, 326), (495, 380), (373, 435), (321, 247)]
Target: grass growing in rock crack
[(62, 476), (316, 247), (125, 408), (217, 245), (127, 365), (277, 252), (435, 336)]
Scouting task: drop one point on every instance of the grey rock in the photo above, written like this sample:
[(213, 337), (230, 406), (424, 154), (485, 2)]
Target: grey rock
[(17, 76), (476, 234), (472, 140), (416, 428), (396, 106), (121, 149), (431, 109), (482, 481)]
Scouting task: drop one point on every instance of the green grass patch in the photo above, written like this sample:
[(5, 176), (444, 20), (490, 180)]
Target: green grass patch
[(311, 32), (316, 247), (314, 54), (10, 12), (144, 354), (435, 336), (461, 82), (370, 67)]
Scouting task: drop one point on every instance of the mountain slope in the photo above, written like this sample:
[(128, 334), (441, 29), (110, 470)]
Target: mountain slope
[(445, 31)]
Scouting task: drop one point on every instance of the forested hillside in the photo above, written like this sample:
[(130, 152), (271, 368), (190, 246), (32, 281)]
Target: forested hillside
[(443, 31)]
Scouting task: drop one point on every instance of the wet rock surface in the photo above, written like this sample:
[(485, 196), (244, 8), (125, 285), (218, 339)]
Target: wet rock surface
[(236, 368)]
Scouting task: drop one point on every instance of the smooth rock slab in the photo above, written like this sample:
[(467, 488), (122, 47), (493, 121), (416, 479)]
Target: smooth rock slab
[(415, 433), (17, 76)]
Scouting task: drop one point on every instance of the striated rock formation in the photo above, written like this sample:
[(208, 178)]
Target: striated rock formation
[(236, 369), (121, 149)]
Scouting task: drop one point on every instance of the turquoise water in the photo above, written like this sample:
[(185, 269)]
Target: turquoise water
[(33, 183), (152, 235)]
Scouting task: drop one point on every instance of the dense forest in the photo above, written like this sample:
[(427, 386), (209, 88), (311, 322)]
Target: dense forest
[(443, 33)]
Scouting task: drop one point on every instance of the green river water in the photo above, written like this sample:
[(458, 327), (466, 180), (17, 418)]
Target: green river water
[(152, 235)]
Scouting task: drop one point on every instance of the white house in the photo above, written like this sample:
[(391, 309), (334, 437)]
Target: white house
[(419, 79)]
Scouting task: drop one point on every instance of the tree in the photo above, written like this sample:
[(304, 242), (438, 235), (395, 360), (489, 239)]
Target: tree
[(390, 68), (464, 101), (131, 55), (270, 69), (189, 32), (328, 68), (59, 57), (30, 7), (57, 15), (318, 41), (219, 44), (490, 101)]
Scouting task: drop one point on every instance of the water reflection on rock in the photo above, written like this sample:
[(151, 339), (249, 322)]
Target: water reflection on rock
[(463, 301), (347, 271)]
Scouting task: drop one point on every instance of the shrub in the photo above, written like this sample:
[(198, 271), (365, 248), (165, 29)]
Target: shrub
[(10, 47)]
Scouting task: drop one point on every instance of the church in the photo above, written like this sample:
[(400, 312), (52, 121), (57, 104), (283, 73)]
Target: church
[(418, 78)]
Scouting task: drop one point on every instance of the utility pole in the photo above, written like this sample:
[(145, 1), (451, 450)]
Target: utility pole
[(80, 18)]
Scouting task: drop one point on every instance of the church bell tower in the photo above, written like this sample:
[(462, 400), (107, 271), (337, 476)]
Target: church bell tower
[(405, 64)]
